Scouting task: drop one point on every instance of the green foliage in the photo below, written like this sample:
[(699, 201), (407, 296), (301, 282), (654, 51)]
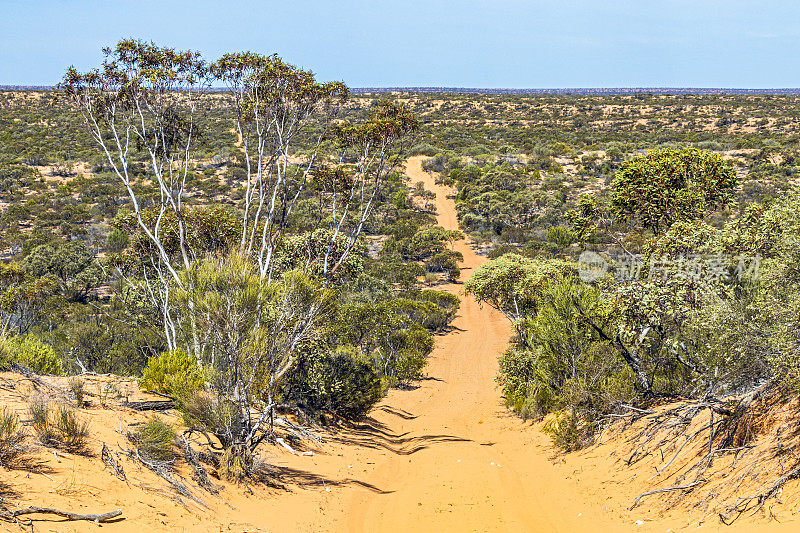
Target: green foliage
[(174, 373), (447, 301), (425, 243), (337, 382), (70, 263), (403, 274), (567, 431), (25, 301), (446, 261), (32, 353), (565, 362), (513, 284), (155, 440), (254, 330), (116, 241), (400, 200), (313, 253), (560, 236), (664, 186), (211, 229)]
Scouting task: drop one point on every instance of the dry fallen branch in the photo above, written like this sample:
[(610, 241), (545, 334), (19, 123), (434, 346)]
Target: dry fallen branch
[(150, 405), (742, 504), (112, 463), (98, 518), (668, 489), (683, 438), (199, 472)]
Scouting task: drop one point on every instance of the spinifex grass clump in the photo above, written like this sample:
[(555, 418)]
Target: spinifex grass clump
[(155, 440), (12, 439), (58, 426), (76, 387)]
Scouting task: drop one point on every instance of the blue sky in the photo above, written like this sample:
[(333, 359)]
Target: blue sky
[(469, 43)]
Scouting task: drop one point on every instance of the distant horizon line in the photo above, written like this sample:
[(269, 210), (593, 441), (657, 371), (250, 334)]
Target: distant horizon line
[(502, 90)]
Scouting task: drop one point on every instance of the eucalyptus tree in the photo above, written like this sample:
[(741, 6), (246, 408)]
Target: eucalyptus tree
[(664, 186), (142, 102), (275, 105), (247, 313)]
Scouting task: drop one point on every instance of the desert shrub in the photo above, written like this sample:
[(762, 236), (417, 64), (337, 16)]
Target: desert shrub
[(32, 353), (562, 363), (501, 250), (521, 387), (404, 353), (404, 274), (174, 373), (560, 236), (12, 439), (116, 241), (58, 426), (446, 261), (568, 432), (423, 149), (214, 414), (236, 463), (39, 410), (337, 382), (155, 440), (400, 200), (449, 302), (409, 365), (76, 387), (425, 313), (72, 431)]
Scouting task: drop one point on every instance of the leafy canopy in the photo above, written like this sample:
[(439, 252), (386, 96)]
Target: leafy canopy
[(663, 186)]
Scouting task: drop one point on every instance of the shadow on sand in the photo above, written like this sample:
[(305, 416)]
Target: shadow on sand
[(373, 434)]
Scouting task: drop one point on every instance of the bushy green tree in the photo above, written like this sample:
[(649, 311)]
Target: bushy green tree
[(70, 263), (513, 284), (664, 186), (339, 382)]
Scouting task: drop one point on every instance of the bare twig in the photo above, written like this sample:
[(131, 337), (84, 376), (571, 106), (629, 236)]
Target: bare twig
[(97, 518), (659, 491)]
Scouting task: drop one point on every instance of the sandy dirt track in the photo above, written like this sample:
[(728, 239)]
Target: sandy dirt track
[(450, 457), (474, 467)]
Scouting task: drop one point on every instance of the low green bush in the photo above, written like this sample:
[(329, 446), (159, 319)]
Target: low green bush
[(31, 353), (337, 382), (174, 373), (155, 440)]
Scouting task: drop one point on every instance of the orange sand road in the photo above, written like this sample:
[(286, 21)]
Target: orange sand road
[(478, 467), (449, 457)]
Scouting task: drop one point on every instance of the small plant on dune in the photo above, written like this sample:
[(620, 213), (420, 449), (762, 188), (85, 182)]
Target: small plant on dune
[(58, 426), (40, 420), (72, 431), (108, 391), (76, 387), (12, 439), (568, 432), (155, 440)]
